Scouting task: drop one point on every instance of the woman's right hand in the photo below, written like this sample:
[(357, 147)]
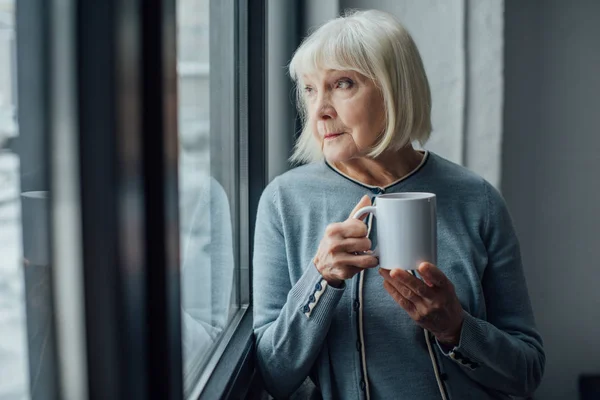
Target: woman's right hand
[(344, 250)]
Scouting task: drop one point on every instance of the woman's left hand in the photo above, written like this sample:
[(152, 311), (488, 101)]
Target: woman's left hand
[(432, 302)]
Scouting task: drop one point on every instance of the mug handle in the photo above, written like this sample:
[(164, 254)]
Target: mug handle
[(368, 210)]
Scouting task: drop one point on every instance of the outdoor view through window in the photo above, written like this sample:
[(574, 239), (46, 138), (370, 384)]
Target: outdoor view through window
[(207, 246), (14, 376), (208, 284)]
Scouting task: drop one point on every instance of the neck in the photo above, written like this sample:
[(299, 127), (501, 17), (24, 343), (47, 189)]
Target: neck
[(385, 169)]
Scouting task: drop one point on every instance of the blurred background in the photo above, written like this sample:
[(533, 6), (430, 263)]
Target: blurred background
[(516, 98)]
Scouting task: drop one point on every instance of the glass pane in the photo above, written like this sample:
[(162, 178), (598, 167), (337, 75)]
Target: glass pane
[(13, 352), (207, 246), (27, 345)]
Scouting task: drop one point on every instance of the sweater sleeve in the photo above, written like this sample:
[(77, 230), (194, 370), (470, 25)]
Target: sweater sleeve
[(504, 352), (291, 321)]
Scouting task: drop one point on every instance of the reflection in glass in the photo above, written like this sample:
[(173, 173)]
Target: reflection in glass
[(13, 350), (38, 293), (207, 276), (27, 356), (207, 259)]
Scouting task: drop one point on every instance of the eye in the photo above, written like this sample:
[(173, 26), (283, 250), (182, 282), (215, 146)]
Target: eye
[(345, 83), (308, 90)]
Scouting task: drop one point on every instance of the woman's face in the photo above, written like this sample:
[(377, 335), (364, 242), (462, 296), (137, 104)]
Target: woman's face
[(346, 112)]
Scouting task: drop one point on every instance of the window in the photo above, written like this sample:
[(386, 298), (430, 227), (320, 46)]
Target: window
[(209, 267), (14, 222), (34, 288), (221, 173), (126, 212)]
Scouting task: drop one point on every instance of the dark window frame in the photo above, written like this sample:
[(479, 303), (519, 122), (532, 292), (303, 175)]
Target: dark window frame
[(126, 89)]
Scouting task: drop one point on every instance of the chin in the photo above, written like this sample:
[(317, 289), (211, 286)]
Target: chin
[(337, 156)]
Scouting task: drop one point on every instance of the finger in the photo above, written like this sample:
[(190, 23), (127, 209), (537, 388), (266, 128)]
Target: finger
[(345, 272), (401, 288), (351, 228), (385, 273), (361, 261), (412, 282), (354, 245), (354, 228), (364, 201), (405, 303), (432, 275)]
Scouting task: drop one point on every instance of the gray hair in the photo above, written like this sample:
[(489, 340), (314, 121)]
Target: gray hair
[(374, 44)]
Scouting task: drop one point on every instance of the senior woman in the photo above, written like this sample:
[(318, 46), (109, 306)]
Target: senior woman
[(462, 329)]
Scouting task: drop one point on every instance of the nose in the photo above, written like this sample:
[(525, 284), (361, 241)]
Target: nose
[(325, 109)]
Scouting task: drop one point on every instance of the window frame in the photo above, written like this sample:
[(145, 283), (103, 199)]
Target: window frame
[(127, 125), (231, 371)]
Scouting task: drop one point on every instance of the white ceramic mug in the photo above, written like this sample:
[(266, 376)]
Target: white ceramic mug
[(406, 229)]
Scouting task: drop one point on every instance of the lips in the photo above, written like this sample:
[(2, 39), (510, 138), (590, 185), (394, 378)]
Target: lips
[(332, 135)]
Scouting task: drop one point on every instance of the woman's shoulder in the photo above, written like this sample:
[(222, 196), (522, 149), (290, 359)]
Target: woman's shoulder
[(299, 178), (295, 183), (462, 187), (303, 173), (456, 177), (447, 169)]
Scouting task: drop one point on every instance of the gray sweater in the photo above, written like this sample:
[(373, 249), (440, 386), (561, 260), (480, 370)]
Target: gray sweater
[(356, 342)]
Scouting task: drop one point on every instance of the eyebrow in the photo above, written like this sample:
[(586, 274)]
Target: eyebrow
[(330, 72)]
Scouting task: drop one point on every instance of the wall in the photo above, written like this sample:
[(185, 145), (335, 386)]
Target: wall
[(551, 158), (283, 27)]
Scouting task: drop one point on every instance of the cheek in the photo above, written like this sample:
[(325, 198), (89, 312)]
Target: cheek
[(311, 120), (314, 127), (368, 126), (375, 115), (377, 123)]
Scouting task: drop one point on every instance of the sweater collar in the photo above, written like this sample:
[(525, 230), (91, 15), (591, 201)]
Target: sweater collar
[(426, 156)]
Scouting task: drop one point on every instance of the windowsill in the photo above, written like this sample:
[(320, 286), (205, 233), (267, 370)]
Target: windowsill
[(229, 370)]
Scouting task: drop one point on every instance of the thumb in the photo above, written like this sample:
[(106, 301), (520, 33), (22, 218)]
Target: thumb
[(364, 201)]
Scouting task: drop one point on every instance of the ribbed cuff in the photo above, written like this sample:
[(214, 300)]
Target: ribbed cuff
[(314, 298), (471, 335)]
